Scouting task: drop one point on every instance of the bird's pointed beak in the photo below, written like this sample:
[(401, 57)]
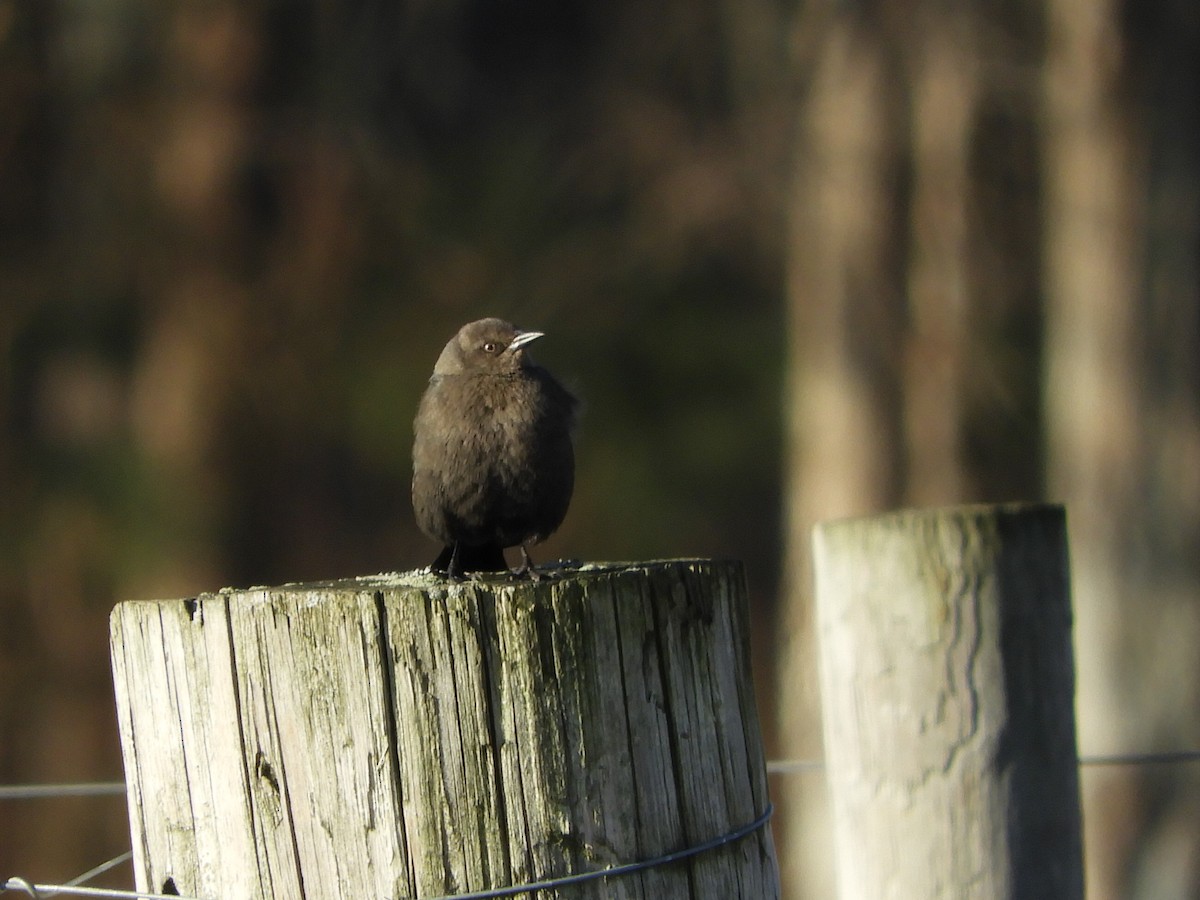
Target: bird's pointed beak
[(523, 338)]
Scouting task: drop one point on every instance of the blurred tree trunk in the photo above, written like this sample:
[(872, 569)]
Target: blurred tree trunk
[(1090, 388), (842, 427), (992, 290), (1121, 152), (910, 282), (202, 135)]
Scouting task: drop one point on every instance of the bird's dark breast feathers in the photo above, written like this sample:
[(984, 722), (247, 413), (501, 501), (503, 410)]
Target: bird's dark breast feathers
[(501, 469)]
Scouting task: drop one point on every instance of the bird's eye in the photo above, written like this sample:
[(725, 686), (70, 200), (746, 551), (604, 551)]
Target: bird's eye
[(491, 347)]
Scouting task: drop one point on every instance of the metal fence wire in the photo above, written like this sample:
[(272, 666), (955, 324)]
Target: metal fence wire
[(77, 886)]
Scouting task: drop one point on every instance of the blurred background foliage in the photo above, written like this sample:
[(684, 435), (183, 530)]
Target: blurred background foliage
[(799, 260), (234, 239)]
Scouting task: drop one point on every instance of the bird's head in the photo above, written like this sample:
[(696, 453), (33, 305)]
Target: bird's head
[(485, 347)]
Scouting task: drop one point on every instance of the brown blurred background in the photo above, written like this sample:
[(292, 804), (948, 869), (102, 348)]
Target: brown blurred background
[(801, 261)]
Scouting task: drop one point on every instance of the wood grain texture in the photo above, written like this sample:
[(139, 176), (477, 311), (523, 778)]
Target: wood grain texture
[(399, 736), (947, 679)]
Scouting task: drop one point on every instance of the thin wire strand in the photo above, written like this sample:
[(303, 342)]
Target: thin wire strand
[(803, 766), (774, 767), (794, 766), (41, 791), (100, 869), (75, 885), (37, 891), (1141, 759), (616, 871)]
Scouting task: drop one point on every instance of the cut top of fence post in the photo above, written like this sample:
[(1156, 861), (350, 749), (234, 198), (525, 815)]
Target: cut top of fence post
[(403, 736)]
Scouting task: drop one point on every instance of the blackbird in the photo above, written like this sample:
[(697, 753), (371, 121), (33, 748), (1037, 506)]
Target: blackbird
[(493, 462)]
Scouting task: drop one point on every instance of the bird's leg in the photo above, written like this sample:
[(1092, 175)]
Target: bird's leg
[(452, 572), (526, 569)]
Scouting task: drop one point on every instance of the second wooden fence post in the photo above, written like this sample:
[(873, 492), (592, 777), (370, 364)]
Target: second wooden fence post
[(947, 678)]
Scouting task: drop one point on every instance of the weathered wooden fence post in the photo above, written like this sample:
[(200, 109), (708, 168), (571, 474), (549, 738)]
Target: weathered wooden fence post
[(398, 736), (947, 678)]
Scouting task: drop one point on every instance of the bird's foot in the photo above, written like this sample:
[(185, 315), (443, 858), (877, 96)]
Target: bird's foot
[(527, 571)]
